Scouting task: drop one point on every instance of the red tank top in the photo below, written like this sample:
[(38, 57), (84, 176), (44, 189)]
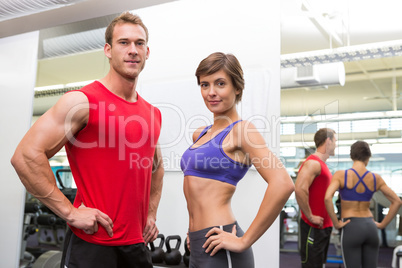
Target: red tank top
[(317, 193), (111, 162)]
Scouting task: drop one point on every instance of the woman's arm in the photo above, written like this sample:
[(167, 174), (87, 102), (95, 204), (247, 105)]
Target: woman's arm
[(332, 188), (392, 197), (280, 187)]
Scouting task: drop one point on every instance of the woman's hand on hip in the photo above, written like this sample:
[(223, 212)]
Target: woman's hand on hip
[(219, 239)]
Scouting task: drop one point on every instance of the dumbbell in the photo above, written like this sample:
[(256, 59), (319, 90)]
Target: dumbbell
[(31, 207), (157, 253), (173, 255), (186, 255), (46, 219), (30, 230)]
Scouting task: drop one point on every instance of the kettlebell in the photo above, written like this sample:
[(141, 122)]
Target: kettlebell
[(157, 253), (186, 255), (173, 255)]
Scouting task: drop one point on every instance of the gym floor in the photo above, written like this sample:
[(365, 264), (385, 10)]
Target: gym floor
[(292, 259), (287, 259)]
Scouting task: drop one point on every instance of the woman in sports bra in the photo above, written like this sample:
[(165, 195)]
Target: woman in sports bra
[(213, 165), (356, 186)]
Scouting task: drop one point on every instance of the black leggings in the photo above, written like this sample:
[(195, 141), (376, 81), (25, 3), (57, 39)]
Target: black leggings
[(223, 258), (360, 243)]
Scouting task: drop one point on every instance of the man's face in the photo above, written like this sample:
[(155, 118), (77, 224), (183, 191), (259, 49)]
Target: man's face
[(129, 50), (331, 145)]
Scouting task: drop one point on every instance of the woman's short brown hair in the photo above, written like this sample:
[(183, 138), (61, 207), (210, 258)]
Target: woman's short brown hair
[(219, 61), (360, 151)]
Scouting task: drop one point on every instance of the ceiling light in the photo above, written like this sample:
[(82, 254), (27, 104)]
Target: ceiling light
[(79, 84), (343, 54), (372, 159), (343, 117), (15, 9), (57, 90), (390, 140), (52, 87)]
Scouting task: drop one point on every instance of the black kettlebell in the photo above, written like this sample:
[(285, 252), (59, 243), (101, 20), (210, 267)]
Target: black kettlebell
[(173, 255), (186, 255), (157, 253)]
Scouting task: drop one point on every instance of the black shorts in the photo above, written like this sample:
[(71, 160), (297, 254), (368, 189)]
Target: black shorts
[(78, 253), (314, 245)]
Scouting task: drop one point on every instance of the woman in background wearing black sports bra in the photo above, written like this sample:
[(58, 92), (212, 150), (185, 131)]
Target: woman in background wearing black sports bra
[(218, 159), (356, 186)]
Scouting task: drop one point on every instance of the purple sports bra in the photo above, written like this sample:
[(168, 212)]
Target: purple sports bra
[(351, 194), (209, 161)]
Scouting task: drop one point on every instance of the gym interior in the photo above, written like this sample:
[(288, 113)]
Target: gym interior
[(308, 64)]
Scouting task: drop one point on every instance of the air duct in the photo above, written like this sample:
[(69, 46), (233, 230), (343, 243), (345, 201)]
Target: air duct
[(74, 43), (15, 9), (313, 75)]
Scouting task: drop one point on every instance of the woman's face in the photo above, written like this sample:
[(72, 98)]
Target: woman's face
[(218, 92)]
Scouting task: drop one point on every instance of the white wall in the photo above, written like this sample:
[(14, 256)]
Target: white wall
[(18, 56), (182, 34)]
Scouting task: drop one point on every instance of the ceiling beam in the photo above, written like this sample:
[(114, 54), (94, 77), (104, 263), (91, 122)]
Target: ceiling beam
[(394, 92), (322, 24), (373, 75), (373, 83)]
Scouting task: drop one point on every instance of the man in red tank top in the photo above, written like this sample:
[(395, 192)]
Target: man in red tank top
[(110, 134), (312, 181)]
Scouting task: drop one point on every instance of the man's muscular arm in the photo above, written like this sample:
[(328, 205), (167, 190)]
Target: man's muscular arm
[(151, 231), (311, 169), (43, 140)]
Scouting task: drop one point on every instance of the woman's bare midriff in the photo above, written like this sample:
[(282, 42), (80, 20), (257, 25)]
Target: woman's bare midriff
[(360, 209), (208, 202)]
